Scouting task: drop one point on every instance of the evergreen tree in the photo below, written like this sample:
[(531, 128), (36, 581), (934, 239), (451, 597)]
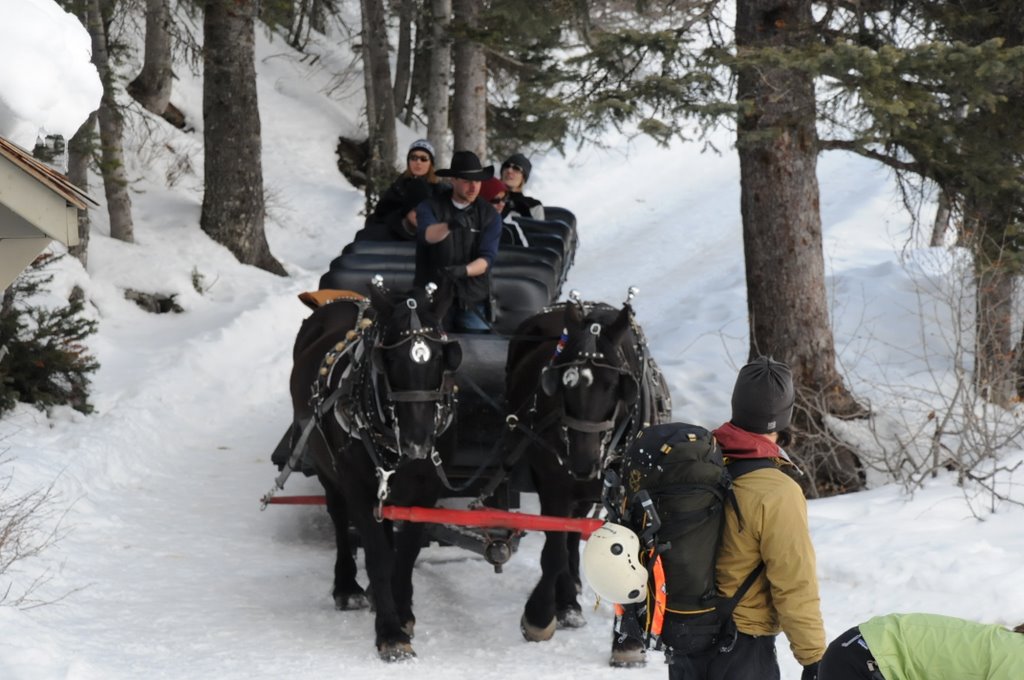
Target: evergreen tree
[(44, 361), (939, 89)]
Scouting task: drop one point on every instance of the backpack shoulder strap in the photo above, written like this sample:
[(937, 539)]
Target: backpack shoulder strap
[(736, 468)]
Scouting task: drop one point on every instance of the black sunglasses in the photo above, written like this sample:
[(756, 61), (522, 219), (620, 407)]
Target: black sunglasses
[(422, 159), (514, 167), (497, 199)]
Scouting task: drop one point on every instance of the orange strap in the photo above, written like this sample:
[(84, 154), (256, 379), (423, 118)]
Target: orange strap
[(660, 597)]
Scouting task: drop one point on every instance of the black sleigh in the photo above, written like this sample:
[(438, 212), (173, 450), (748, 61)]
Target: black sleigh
[(542, 403)]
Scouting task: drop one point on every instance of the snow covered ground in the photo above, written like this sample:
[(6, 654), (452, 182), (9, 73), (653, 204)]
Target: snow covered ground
[(167, 568)]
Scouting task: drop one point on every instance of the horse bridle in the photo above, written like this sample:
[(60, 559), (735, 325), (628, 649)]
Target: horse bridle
[(419, 352), (610, 434)]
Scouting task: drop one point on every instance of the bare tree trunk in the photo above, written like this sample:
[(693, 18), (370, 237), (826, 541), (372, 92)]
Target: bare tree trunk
[(421, 57), (318, 16), (233, 207), (470, 105), (115, 179), (941, 224), (300, 25), (380, 105), (782, 241), (403, 57), (152, 87), (440, 79), (80, 151)]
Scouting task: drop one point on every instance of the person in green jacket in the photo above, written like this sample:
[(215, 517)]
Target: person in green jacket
[(924, 647)]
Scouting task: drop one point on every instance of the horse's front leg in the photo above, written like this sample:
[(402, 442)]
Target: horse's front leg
[(347, 592), (408, 542), (539, 616), (567, 587), (393, 643), (539, 620)]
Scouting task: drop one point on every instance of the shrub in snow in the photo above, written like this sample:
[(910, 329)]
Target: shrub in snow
[(44, 359)]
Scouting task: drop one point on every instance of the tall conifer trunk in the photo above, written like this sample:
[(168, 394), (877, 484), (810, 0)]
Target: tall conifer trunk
[(152, 87), (996, 270), (233, 205), (786, 299)]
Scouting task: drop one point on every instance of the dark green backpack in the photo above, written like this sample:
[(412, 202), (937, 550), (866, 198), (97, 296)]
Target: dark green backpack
[(675, 487)]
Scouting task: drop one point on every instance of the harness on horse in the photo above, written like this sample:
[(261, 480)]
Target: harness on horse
[(581, 370), (367, 410), (619, 430), (322, 399)]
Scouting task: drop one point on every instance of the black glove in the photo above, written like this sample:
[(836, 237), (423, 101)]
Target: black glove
[(456, 271), (810, 672)]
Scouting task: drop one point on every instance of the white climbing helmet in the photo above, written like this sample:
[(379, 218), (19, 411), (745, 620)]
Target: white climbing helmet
[(611, 564)]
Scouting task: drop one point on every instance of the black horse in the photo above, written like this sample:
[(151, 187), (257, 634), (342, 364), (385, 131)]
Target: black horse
[(371, 387), (578, 376)]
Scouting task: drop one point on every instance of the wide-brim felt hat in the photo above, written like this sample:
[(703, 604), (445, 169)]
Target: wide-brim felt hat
[(466, 165)]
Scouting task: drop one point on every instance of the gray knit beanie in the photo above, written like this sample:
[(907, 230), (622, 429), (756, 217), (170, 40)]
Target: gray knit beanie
[(423, 144), (762, 400)]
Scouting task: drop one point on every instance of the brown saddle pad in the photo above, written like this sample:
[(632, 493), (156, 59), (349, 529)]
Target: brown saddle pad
[(318, 298)]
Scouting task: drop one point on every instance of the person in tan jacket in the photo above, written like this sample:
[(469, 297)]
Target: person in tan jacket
[(771, 529)]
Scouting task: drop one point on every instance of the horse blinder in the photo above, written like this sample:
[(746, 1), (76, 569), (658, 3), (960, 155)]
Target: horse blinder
[(549, 380), (452, 355), (629, 389)]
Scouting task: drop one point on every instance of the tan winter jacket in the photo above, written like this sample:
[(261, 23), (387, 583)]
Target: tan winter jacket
[(775, 530)]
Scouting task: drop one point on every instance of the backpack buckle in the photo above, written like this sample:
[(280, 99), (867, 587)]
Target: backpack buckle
[(732, 633)]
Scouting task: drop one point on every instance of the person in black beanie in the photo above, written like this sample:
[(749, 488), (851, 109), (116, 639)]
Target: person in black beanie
[(515, 172), (784, 597)]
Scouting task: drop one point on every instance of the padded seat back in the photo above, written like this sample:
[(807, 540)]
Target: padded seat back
[(554, 213), (538, 270), (359, 279), (373, 261), (396, 248), (516, 298), (520, 254), (533, 227)]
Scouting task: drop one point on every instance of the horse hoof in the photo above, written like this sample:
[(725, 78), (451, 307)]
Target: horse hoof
[(351, 601), (633, 656), (536, 634), (396, 651), (571, 618)]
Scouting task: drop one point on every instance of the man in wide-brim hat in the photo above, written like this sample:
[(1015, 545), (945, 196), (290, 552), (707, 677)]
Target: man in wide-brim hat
[(466, 165), (457, 241)]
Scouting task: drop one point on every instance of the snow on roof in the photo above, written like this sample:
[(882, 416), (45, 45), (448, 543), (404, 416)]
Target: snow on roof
[(45, 175)]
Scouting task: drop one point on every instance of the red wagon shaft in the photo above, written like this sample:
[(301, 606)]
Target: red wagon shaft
[(297, 500), (485, 517), (490, 518)]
